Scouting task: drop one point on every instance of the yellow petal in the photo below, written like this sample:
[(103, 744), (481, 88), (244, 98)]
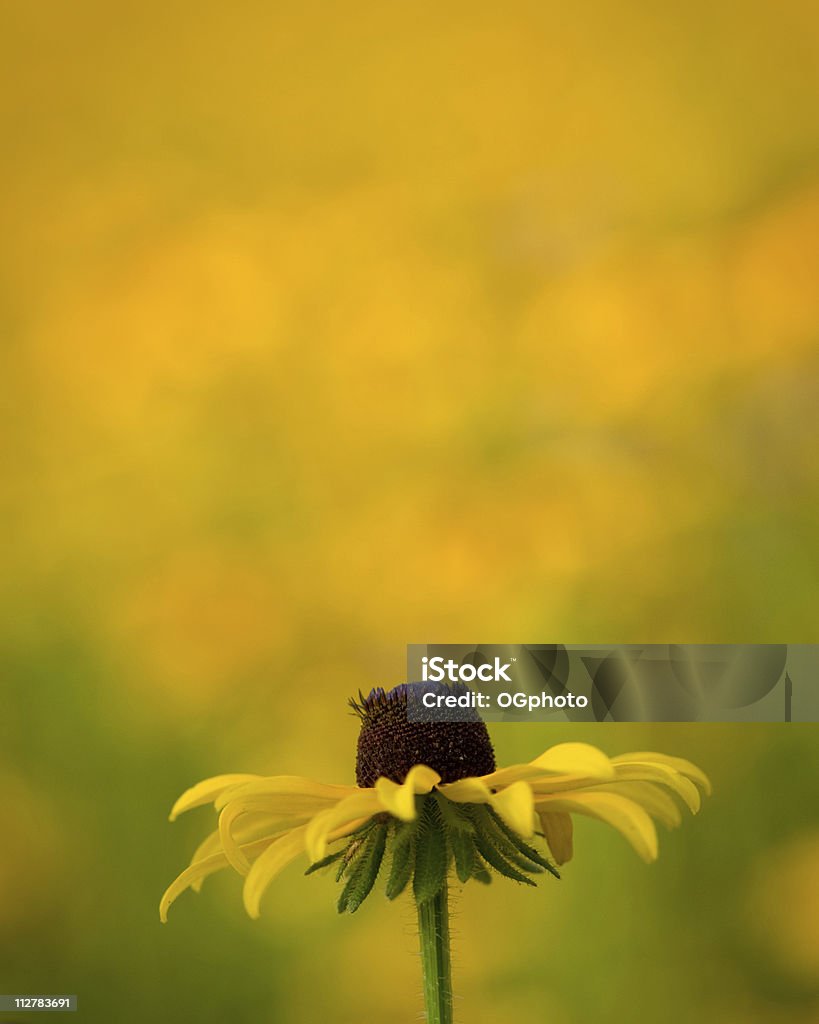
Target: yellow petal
[(514, 804), (545, 785), (625, 771), (210, 845), (650, 797), (558, 830), (679, 764), (467, 791), (234, 831), (275, 807), (579, 759), (285, 791), (399, 800), (206, 791), (512, 773), (362, 804), (277, 856), (196, 873), (664, 776), (347, 829), (626, 816)]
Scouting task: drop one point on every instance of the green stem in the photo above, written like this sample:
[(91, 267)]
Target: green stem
[(433, 925)]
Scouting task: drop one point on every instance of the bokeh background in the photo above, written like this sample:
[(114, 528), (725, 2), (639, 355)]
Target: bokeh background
[(329, 327)]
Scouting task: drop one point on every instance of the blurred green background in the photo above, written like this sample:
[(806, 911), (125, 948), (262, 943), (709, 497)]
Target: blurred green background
[(326, 328)]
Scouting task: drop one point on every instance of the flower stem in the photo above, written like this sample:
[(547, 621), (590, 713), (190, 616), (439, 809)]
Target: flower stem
[(433, 925)]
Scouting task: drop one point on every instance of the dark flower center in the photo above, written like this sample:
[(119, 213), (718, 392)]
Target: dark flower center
[(389, 744)]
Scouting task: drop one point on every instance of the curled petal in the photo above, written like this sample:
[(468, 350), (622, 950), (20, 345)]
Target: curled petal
[(192, 875), (558, 831), (621, 813), (663, 776), (514, 804), (565, 765), (513, 773), (632, 771), (399, 800), (210, 845), (650, 797), (579, 759), (679, 764), (254, 826), (467, 791), (236, 826), (286, 792), (206, 791), (361, 804), (199, 871), (277, 856)]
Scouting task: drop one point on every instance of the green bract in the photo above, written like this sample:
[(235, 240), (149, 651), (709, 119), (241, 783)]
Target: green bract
[(470, 839)]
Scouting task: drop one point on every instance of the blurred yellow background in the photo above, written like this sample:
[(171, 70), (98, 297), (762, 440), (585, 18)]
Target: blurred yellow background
[(330, 327)]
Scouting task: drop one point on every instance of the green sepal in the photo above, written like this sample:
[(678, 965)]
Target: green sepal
[(455, 816), (479, 870), (403, 832), (463, 850), (354, 848), (473, 836), (522, 846), (488, 824), (325, 862), (344, 864), (431, 854), (403, 857), (493, 857), (364, 871)]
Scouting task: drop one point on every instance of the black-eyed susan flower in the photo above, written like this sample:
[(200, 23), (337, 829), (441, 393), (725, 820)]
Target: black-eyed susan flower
[(430, 803)]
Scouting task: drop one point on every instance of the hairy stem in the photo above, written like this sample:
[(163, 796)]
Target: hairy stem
[(433, 925)]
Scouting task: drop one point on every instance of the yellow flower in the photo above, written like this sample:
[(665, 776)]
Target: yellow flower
[(266, 822)]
